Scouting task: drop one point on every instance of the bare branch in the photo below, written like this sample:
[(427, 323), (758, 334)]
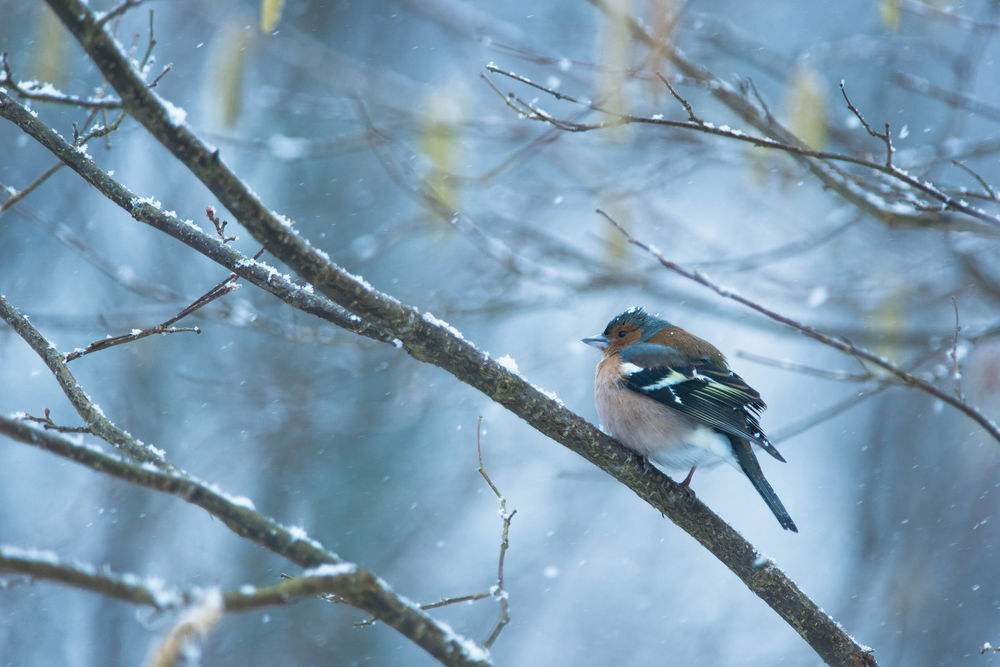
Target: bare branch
[(47, 422), (841, 344), (497, 590), (428, 339), (124, 6), (908, 211), (219, 290), (883, 136), (21, 194), (784, 364), (150, 44), (48, 93), (129, 587), (148, 211), (357, 586), (950, 97), (956, 369), (990, 192), (687, 105), (864, 198), (97, 423)]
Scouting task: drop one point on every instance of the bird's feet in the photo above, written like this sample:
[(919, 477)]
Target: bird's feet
[(686, 484)]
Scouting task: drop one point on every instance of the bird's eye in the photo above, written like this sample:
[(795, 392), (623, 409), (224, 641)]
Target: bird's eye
[(622, 333)]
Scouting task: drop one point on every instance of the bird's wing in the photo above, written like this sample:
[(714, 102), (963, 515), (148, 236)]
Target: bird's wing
[(699, 388)]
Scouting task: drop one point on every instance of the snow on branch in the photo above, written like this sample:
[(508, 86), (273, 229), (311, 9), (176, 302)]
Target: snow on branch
[(430, 340)]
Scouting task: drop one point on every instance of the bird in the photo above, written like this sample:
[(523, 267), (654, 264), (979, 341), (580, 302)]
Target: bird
[(670, 397)]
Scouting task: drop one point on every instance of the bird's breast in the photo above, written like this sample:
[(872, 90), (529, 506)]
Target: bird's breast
[(653, 429)]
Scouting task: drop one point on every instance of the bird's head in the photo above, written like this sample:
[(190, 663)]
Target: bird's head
[(632, 326)]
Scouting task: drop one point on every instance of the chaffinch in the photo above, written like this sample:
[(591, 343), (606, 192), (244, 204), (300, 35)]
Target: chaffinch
[(670, 396)]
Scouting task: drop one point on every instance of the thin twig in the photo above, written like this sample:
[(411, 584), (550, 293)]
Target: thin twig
[(98, 131), (102, 19), (951, 98), (21, 194), (48, 93), (47, 422), (956, 370), (444, 602), (883, 136), (220, 290), (687, 105), (842, 344), (784, 364), (789, 431), (763, 105), (166, 70), (220, 225), (497, 590), (149, 46), (990, 192), (858, 192), (99, 425)]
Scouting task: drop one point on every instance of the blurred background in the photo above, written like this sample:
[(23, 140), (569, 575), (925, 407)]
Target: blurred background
[(371, 126)]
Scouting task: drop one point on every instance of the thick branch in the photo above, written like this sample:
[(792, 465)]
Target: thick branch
[(427, 339)]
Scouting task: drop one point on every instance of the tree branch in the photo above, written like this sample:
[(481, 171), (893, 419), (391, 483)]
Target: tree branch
[(841, 344), (46, 92), (147, 210), (908, 211), (356, 586), (237, 513), (428, 339), (97, 423), (321, 581), (814, 161), (220, 290), (16, 196)]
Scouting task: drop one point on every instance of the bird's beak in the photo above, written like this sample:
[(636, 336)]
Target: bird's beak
[(600, 342)]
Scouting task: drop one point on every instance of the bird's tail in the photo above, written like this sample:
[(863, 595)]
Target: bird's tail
[(751, 468)]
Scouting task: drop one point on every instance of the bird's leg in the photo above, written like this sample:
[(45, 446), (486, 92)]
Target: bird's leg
[(646, 466), (687, 480)]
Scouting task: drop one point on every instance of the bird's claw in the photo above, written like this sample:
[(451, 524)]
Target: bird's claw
[(686, 484)]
